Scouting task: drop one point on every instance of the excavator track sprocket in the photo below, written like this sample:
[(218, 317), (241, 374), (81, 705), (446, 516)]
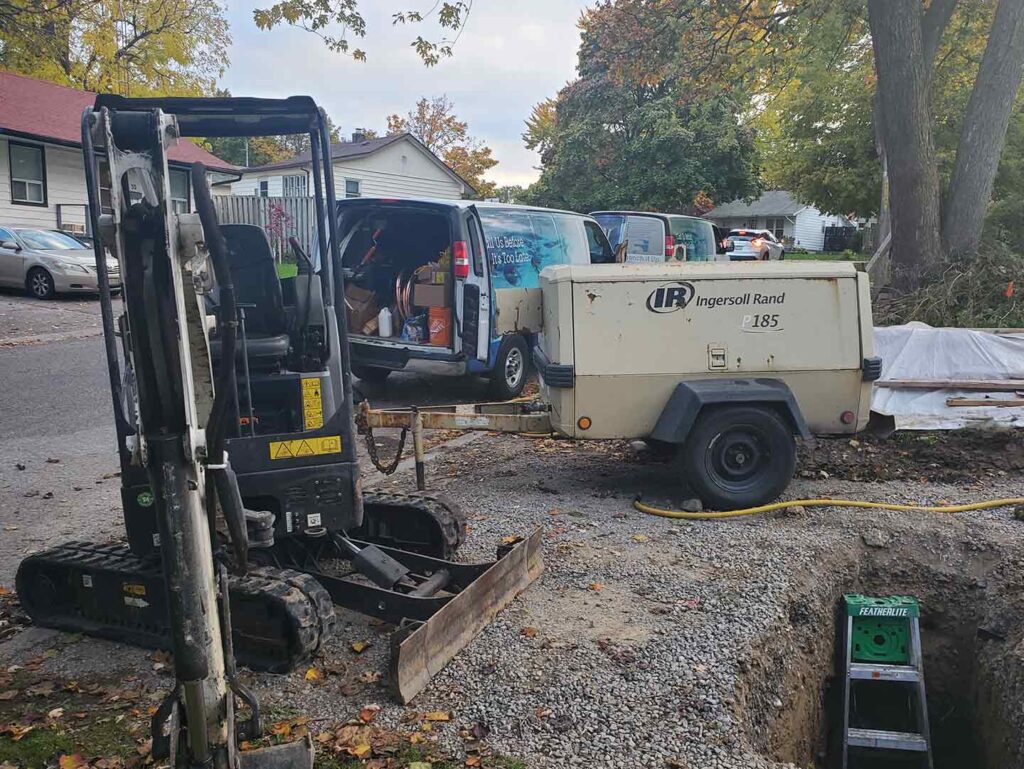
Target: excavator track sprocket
[(279, 617)]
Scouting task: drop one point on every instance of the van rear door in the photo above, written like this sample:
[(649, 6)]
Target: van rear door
[(474, 312), (646, 239)]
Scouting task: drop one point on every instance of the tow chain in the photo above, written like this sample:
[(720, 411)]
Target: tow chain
[(371, 444)]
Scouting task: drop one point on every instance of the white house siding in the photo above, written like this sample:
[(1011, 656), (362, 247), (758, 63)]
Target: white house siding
[(250, 185), (65, 186), (399, 170), (810, 228)]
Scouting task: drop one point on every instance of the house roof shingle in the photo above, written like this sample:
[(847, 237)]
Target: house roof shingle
[(43, 110), (771, 203), (339, 151)]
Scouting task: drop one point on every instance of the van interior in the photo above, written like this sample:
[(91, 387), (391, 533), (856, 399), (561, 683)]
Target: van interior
[(399, 277)]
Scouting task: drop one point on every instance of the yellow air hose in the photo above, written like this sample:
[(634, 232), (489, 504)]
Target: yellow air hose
[(713, 516)]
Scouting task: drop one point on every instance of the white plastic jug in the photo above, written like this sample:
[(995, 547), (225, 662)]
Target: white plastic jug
[(384, 322)]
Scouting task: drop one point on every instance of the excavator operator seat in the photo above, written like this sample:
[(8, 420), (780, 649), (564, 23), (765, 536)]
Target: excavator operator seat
[(258, 291)]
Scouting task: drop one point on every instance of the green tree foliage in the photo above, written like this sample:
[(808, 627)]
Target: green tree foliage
[(130, 47), (336, 21), (634, 131), (434, 122)]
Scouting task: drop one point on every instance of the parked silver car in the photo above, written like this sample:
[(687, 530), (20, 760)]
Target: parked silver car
[(751, 245), (49, 262)]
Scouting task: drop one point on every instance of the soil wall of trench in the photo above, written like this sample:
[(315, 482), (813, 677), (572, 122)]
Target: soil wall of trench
[(971, 593)]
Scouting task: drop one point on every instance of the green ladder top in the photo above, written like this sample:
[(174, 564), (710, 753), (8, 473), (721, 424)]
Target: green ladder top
[(889, 607)]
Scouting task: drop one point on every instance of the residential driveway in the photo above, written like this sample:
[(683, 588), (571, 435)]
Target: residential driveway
[(24, 320)]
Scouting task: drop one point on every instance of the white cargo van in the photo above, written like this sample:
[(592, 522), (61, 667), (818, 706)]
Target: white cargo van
[(452, 286)]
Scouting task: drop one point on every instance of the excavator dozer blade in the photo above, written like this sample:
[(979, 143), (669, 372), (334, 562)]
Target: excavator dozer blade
[(420, 649)]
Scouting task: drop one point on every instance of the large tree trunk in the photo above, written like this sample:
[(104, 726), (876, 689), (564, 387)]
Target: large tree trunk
[(984, 130), (906, 130)]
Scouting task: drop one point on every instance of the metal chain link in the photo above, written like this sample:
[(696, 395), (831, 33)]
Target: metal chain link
[(371, 445)]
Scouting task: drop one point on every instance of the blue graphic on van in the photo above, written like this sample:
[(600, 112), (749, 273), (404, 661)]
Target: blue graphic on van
[(522, 243)]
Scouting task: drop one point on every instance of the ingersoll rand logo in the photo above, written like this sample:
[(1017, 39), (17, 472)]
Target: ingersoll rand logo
[(670, 297)]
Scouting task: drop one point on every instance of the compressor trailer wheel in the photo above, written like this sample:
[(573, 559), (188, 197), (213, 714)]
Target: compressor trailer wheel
[(738, 456)]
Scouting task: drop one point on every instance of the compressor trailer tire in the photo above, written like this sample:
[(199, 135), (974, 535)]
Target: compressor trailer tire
[(739, 456)]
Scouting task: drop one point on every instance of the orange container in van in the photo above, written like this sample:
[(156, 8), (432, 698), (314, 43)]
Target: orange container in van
[(439, 321)]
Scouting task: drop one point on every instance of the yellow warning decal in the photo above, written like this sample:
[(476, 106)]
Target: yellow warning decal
[(133, 589), (305, 447), (312, 404)]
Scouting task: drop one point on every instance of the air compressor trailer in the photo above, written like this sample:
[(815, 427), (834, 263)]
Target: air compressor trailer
[(722, 363)]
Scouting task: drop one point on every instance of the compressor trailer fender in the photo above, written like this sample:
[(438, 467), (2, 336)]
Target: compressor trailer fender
[(689, 399)]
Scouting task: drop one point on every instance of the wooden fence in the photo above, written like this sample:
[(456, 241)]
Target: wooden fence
[(281, 218)]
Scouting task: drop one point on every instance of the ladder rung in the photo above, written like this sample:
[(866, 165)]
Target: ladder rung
[(877, 672), (877, 738)]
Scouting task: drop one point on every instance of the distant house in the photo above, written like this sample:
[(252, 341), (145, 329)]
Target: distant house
[(798, 224), (397, 166), (42, 175)]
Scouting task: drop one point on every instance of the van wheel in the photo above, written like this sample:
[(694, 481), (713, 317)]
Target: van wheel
[(509, 375), (739, 456), (371, 374), (40, 284)]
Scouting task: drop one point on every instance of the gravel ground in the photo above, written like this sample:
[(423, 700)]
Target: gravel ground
[(646, 640)]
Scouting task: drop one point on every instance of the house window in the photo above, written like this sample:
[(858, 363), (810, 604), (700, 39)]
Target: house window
[(295, 186), (352, 189), (28, 174), (179, 191), (776, 226), (264, 188)]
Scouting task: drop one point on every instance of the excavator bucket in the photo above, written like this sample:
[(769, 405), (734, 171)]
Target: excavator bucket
[(419, 649)]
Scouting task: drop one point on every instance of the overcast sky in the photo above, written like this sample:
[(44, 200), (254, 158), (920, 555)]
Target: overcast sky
[(512, 54)]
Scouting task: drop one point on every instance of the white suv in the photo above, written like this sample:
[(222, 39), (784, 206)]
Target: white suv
[(750, 245)]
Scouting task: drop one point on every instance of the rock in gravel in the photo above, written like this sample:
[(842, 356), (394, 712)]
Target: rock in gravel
[(876, 538), (693, 505)]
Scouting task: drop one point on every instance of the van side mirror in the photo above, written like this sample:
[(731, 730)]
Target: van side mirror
[(10, 245)]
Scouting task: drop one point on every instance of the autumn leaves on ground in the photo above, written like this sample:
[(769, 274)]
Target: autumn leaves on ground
[(49, 720)]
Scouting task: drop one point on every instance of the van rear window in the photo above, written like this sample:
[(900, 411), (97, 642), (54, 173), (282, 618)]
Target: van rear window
[(522, 243)]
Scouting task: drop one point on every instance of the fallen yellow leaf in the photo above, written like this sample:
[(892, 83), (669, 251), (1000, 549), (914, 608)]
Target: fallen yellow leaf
[(509, 539), (529, 632), (438, 715), (360, 750), (55, 713), (367, 714), (595, 586), (473, 761), (74, 761), (640, 538), (360, 646), (313, 675), (324, 737)]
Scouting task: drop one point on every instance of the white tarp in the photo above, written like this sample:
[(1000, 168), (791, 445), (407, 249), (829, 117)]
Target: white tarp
[(918, 351)]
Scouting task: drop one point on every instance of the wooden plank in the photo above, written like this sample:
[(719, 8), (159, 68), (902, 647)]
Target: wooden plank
[(995, 385), (995, 402)]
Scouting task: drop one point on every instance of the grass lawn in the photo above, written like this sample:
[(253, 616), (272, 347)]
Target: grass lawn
[(826, 256)]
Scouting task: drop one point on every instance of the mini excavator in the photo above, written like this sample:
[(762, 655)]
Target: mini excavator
[(232, 397)]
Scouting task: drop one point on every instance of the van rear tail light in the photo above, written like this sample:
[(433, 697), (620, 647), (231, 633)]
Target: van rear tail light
[(460, 258), (670, 246)]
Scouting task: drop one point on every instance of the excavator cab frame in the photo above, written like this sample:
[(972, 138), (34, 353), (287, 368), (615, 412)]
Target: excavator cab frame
[(236, 439)]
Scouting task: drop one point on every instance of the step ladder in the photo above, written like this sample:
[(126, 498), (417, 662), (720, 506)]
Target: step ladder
[(883, 644)]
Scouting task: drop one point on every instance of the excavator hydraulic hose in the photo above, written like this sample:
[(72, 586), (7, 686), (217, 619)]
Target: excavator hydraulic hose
[(988, 504)]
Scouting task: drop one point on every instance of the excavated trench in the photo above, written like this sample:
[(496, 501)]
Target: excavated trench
[(972, 606)]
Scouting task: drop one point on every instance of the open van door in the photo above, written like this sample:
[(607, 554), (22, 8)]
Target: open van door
[(475, 311)]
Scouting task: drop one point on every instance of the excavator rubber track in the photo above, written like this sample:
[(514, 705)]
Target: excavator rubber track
[(418, 523), (280, 617)]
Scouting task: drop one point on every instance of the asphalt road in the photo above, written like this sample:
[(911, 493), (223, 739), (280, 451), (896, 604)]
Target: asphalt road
[(58, 463)]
